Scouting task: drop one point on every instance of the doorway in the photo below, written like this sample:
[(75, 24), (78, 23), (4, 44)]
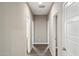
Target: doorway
[(39, 36)]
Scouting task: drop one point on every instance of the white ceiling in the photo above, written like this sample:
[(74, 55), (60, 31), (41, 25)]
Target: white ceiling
[(35, 7)]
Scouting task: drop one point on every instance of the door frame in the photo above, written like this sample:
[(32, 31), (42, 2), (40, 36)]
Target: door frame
[(54, 44), (28, 34), (56, 40), (55, 23)]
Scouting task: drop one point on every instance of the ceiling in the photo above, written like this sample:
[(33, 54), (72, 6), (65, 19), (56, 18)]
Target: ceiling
[(40, 9)]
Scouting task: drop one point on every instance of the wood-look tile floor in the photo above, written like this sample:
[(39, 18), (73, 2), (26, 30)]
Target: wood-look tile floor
[(40, 50)]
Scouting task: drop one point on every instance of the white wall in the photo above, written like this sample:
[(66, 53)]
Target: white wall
[(40, 28), (13, 28), (56, 8)]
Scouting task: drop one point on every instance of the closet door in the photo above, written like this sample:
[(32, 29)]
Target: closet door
[(72, 30)]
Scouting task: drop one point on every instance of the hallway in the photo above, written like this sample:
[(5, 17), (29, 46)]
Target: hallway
[(39, 29), (43, 27), (30, 28)]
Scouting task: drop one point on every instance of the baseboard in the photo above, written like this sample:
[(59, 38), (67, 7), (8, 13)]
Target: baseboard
[(39, 43)]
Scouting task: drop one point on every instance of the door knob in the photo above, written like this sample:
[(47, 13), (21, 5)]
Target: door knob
[(64, 49)]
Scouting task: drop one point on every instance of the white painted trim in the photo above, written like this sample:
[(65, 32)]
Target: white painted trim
[(48, 32), (40, 43), (51, 52), (28, 34)]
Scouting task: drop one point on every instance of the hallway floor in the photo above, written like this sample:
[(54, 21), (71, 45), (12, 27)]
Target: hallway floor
[(40, 50)]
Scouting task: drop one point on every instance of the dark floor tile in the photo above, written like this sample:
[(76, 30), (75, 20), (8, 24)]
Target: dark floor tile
[(40, 50)]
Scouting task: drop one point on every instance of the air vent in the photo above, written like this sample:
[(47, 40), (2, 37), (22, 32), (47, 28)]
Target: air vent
[(41, 6)]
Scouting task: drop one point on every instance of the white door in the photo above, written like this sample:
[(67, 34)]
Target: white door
[(72, 38), (72, 30)]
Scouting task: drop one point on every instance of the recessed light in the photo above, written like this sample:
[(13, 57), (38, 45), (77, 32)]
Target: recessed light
[(39, 2)]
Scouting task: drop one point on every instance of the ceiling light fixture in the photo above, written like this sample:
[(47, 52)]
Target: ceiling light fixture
[(40, 3)]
